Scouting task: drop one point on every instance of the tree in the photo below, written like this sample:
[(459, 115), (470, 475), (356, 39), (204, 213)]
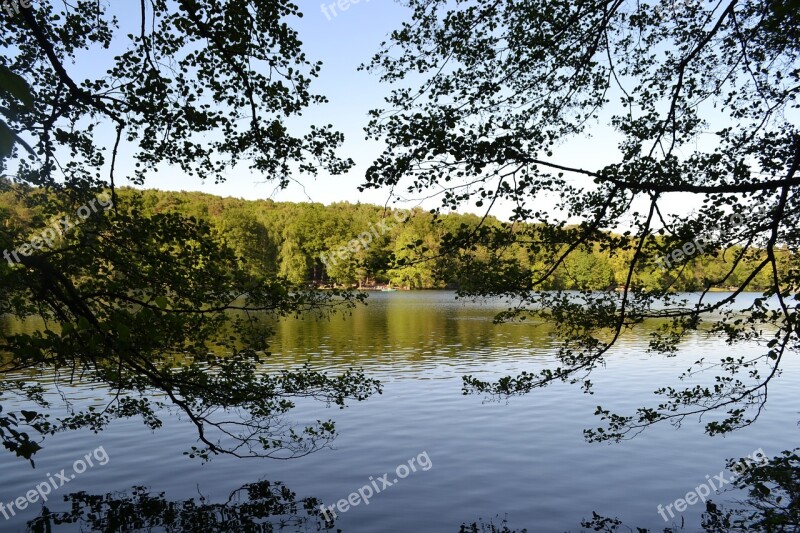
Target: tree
[(413, 236), (587, 270), (250, 239), (294, 263), (702, 98), (134, 299)]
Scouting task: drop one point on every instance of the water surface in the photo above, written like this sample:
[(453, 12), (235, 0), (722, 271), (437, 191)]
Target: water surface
[(524, 459)]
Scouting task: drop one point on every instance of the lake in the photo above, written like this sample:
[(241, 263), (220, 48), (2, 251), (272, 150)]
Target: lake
[(524, 459)]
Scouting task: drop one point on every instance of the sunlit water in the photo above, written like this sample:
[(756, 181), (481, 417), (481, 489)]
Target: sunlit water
[(524, 459)]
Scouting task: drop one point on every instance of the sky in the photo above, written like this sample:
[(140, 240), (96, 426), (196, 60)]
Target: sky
[(342, 40)]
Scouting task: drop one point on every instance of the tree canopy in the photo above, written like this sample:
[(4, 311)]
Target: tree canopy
[(300, 241), (129, 298), (702, 101)]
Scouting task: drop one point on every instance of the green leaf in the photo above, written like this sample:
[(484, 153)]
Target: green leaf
[(16, 86), (6, 140), (123, 331)]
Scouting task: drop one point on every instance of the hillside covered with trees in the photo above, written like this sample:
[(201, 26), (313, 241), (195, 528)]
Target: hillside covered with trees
[(378, 246)]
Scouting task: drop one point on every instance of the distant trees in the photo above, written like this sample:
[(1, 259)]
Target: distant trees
[(299, 242), (250, 239), (588, 270)]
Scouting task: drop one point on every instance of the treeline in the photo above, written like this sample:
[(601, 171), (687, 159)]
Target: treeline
[(361, 245)]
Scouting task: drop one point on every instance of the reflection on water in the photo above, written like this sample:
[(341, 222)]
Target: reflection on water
[(524, 460), (261, 506), (773, 505)]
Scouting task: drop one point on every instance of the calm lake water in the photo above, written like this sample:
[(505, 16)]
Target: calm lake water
[(524, 459)]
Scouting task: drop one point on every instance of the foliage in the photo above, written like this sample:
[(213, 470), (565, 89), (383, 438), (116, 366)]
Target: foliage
[(771, 506), (487, 104), (482, 527), (773, 502), (271, 238), (131, 297), (12, 87), (263, 506)]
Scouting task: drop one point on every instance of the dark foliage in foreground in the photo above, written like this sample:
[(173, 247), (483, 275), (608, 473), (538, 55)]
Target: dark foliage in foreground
[(701, 100), (133, 300)]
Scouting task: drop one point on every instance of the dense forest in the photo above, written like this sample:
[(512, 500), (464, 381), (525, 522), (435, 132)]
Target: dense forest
[(366, 246)]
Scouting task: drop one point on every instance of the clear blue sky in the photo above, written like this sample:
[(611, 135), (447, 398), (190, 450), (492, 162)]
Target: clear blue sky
[(342, 41)]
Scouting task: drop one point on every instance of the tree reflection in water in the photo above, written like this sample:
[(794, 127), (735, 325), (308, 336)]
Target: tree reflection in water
[(772, 506), (263, 506)]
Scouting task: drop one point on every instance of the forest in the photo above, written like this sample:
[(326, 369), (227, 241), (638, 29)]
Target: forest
[(367, 246)]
